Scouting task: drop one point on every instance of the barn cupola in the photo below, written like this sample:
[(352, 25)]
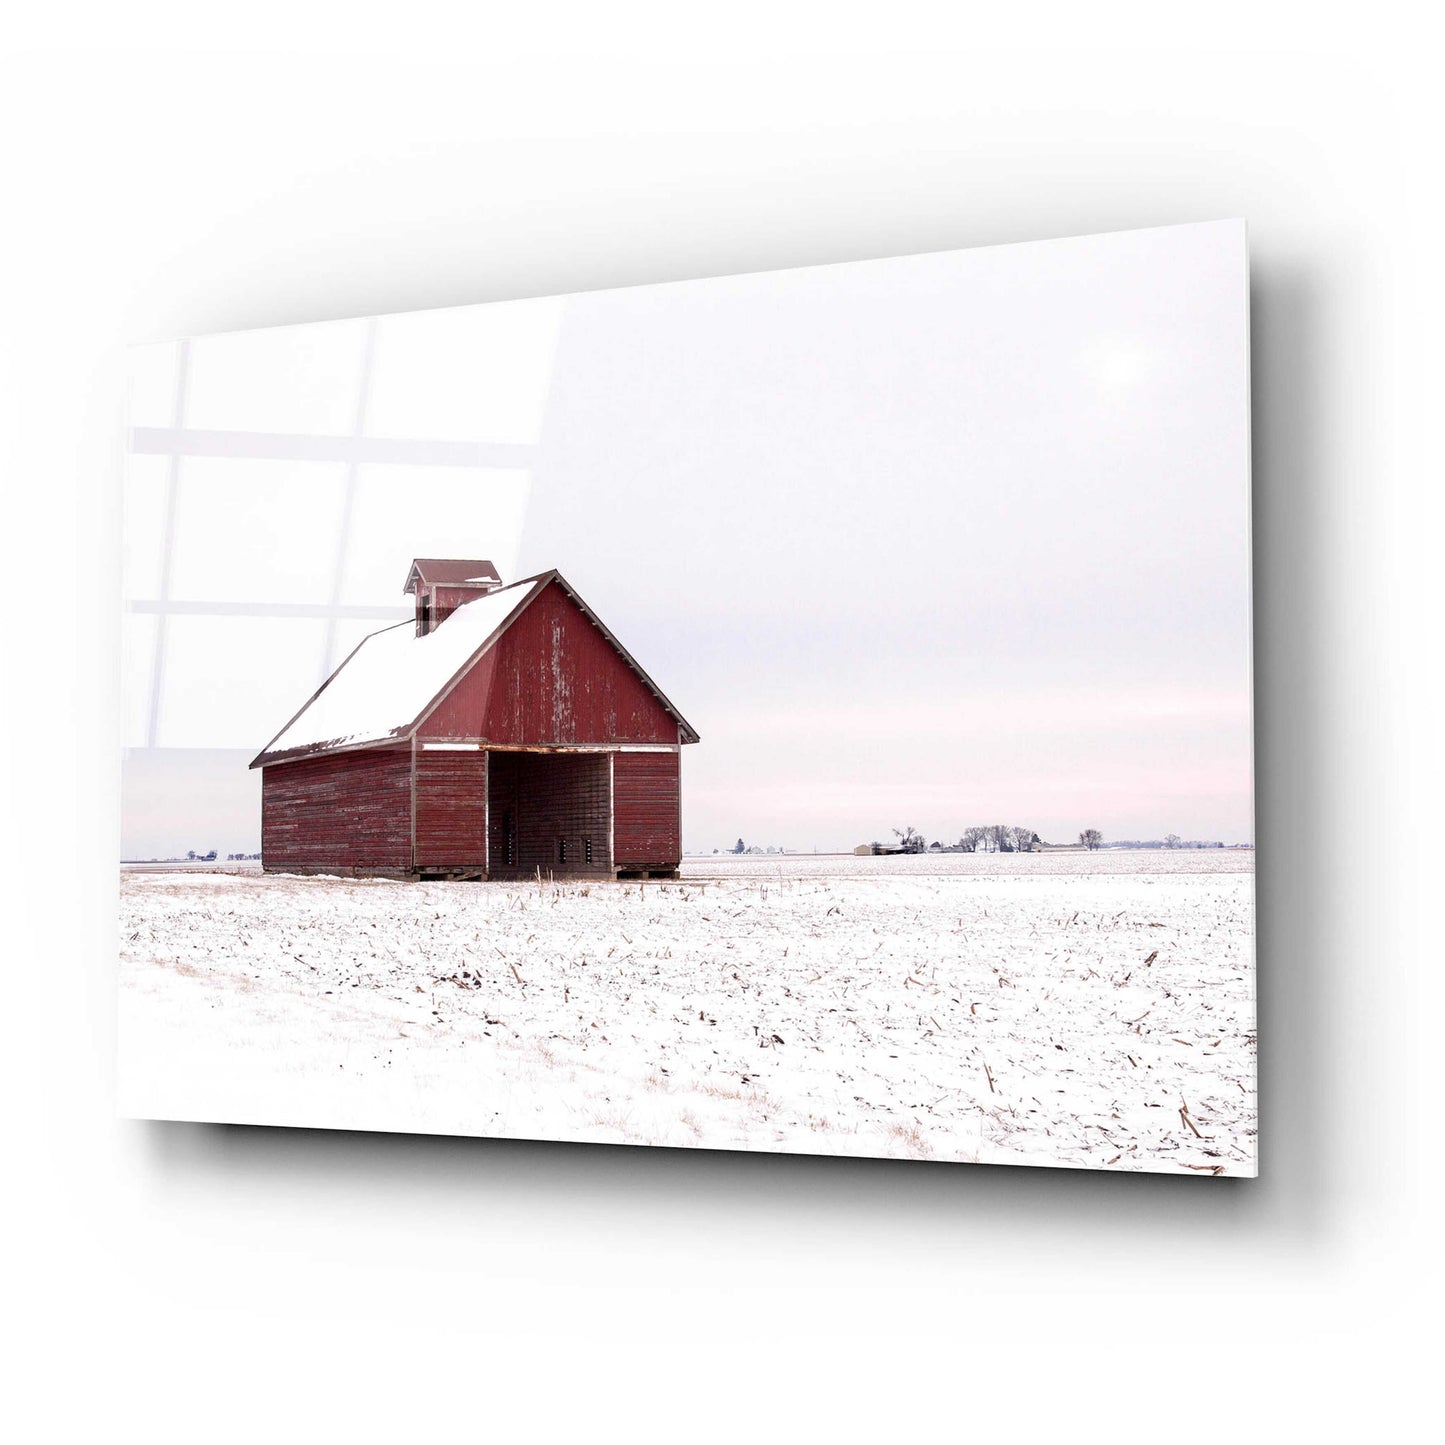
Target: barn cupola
[(442, 584)]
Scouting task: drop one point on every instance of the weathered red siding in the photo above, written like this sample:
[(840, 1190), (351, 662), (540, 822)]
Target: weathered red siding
[(339, 813), (451, 809), (552, 678), (647, 810), (548, 811)]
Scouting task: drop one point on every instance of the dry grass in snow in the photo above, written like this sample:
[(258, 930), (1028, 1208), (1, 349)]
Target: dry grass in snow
[(1036, 1010)]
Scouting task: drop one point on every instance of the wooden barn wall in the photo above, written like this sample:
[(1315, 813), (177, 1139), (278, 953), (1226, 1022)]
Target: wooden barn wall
[(451, 808), (647, 821), (552, 678), (545, 798), (337, 813)]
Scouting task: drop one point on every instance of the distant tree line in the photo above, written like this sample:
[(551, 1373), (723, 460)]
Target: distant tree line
[(985, 838), (988, 838), (1000, 838)]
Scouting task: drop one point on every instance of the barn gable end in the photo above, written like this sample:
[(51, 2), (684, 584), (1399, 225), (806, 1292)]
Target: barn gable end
[(552, 678)]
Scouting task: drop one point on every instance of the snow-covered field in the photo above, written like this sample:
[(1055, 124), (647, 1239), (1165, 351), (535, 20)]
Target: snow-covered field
[(1089, 1010)]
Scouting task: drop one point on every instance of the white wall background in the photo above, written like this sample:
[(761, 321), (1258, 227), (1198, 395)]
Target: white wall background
[(172, 171)]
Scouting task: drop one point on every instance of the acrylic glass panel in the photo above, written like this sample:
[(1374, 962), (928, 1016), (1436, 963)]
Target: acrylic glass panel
[(805, 711)]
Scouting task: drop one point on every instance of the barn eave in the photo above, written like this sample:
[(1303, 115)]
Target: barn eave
[(327, 749)]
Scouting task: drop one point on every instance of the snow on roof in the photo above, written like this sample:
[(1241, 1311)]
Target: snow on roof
[(388, 681)]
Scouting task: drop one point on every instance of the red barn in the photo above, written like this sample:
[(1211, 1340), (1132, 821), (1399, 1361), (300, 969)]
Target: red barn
[(505, 731)]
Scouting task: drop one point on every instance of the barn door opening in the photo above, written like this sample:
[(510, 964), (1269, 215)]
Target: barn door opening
[(549, 813)]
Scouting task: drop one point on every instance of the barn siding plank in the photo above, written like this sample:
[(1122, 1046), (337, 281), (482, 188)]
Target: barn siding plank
[(451, 809), (339, 813), (647, 799)]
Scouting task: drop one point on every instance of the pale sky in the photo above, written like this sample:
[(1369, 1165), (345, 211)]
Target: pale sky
[(941, 540)]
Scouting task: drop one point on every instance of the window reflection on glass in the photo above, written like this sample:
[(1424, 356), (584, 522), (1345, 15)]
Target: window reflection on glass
[(280, 482), (301, 379), (248, 531)]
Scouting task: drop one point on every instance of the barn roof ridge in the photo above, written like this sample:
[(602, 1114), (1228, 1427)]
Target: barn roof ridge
[(403, 732)]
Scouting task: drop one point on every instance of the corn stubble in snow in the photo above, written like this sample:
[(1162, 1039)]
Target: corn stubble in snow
[(1081, 1010)]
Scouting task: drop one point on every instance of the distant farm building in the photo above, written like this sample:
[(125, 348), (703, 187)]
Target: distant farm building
[(505, 732)]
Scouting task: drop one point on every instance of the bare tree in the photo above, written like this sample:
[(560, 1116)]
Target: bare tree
[(1171, 840), (997, 838), (910, 840), (1091, 838)]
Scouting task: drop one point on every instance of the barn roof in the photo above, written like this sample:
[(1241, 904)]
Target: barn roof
[(450, 571), (381, 690)]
